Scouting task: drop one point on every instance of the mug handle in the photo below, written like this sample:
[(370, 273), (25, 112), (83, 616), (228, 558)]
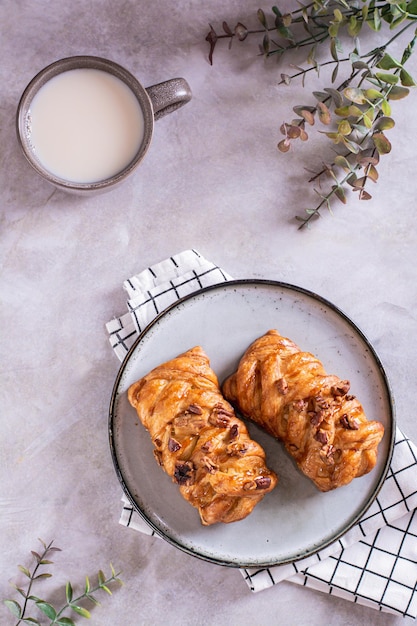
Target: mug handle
[(169, 96)]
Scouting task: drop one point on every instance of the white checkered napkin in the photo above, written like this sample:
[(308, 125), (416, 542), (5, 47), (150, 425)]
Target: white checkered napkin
[(155, 288), (375, 562)]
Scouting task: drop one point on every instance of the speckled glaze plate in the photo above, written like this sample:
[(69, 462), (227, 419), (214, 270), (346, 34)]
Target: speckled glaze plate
[(295, 520)]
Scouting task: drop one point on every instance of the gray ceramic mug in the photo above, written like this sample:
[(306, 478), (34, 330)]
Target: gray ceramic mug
[(152, 103)]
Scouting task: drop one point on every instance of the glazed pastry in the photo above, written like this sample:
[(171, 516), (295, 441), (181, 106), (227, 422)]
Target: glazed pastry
[(289, 394), (198, 439)]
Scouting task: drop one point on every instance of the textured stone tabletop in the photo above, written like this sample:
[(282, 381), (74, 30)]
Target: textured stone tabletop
[(212, 180)]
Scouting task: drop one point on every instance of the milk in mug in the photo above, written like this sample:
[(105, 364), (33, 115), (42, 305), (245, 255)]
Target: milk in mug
[(86, 125)]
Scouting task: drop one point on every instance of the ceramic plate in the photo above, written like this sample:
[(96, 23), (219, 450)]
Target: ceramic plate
[(295, 519)]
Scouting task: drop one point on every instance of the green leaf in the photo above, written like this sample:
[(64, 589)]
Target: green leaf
[(406, 79), (374, 21), (348, 111), (355, 95), (336, 96), (351, 146), (21, 591), (395, 23), (14, 607), (382, 144), (373, 94), (333, 31), (87, 584), (344, 128), (397, 92), (390, 79), (342, 162), (65, 621), (334, 47), (372, 173), (354, 26), (261, 17), (47, 608), (384, 123), (68, 592), (92, 599), (45, 575), (24, 570), (320, 95), (386, 107), (31, 620), (101, 577), (388, 63), (339, 193), (81, 611)]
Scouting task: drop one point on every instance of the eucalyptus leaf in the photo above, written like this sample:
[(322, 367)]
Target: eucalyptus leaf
[(14, 607), (388, 62), (382, 144), (25, 571), (261, 17), (336, 95), (320, 95), (386, 107), (65, 621), (361, 100), (340, 193), (241, 31), (384, 123), (47, 608), (372, 173), (80, 611), (355, 95), (342, 162), (398, 93), (406, 79), (324, 113), (390, 79), (284, 145), (68, 592)]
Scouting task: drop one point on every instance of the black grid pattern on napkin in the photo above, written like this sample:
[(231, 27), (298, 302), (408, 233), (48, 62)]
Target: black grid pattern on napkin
[(385, 577), (131, 519), (380, 569), (382, 578), (122, 334), (155, 288), (162, 272), (381, 548), (158, 299)]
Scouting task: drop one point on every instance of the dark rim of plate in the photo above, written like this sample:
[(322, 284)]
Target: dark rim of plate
[(253, 283)]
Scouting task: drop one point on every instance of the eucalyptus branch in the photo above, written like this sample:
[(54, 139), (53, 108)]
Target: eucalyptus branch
[(358, 111), (72, 603)]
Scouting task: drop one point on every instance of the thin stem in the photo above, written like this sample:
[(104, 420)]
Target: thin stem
[(86, 594), (32, 578), (316, 212)]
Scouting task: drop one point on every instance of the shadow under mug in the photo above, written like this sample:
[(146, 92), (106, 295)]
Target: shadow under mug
[(155, 102)]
